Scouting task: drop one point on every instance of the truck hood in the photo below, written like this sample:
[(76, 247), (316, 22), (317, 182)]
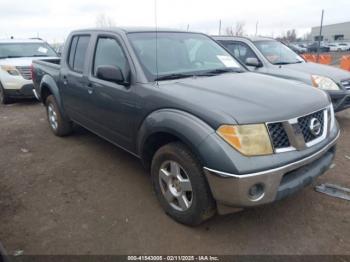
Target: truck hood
[(21, 61), (246, 97), (303, 72)]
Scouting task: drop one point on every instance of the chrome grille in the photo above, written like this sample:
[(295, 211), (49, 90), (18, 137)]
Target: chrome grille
[(282, 140), (304, 124), (346, 83), (278, 135), (25, 71)]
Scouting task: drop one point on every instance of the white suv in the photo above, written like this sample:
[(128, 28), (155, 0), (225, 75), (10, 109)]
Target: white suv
[(16, 58)]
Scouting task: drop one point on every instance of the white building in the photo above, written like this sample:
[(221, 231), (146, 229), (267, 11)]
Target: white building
[(335, 32)]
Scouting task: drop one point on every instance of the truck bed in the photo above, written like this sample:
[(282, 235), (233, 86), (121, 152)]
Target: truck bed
[(48, 68)]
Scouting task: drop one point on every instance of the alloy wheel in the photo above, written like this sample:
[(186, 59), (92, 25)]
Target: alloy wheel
[(52, 117), (175, 186)]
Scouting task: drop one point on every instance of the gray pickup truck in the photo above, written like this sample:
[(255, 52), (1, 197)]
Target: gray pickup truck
[(214, 136), (268, 56)]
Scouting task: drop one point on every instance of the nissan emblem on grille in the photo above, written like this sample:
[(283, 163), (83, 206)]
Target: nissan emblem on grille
[(315, 126)]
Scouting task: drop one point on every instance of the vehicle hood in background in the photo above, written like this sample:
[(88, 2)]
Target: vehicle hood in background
[(303, 72), (22, 61), (246, 97)]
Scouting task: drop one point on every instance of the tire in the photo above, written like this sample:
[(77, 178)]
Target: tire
[(59, 125), (3, 98), (186, 183)]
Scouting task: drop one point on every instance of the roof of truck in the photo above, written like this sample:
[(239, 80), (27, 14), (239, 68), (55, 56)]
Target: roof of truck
[(133, 29), (250, 38)]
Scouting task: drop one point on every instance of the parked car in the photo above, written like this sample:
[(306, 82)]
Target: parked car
[(297, 49), (313, 48), (212, 134), (345, 46), (268, 56), (336, 47), (16, 57)]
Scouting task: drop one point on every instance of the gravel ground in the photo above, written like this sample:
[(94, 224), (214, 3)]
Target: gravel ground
[(82, 195)]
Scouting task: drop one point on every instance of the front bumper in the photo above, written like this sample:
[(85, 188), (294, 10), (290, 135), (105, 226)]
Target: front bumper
[(274, 184), (340, 99), (25, 91)]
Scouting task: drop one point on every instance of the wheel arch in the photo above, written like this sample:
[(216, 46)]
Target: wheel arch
[(48, 86), (169, 125)]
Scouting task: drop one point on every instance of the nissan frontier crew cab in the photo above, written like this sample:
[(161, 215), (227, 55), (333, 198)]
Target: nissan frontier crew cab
[(214, 136)]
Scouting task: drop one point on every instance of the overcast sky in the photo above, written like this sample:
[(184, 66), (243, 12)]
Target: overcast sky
[(53, 20)]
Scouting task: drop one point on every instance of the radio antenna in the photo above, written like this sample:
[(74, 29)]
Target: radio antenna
[(156, 23)]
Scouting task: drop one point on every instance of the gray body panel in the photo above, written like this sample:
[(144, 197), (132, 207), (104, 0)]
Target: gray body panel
[(191, 109)]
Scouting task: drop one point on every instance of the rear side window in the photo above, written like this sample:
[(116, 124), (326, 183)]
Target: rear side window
[(77, 54)]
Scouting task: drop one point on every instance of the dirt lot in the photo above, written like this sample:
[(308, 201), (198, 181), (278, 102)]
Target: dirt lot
[(81, 195)]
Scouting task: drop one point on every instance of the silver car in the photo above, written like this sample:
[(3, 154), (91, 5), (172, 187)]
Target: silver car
[(271, 57)]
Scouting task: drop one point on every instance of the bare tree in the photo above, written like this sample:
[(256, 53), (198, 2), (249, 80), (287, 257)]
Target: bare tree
[(237, 30), (103, 20), (289, 36)]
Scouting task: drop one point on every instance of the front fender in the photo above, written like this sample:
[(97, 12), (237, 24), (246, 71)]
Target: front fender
[(188, 128)]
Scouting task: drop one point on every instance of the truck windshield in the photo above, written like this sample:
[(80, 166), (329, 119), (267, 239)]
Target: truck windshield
[(181, 55), (13, 50), (277, 53)]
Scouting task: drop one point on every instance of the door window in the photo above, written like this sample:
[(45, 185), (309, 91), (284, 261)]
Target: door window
[(110, 53), (240, 50), (77, 53)]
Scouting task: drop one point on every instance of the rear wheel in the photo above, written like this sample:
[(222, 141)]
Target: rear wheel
[(180, 185), (58, 125), (4, 99)]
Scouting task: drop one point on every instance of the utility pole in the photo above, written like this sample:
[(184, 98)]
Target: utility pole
[(256, 28), (220, 27), (319, 38), (188, 27)]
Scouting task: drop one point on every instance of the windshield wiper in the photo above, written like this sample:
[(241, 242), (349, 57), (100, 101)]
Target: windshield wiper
[(173, 76), (10, 56), (287, 63), (221, 71), (39, 56)]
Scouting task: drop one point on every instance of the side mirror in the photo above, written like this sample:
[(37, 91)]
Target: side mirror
[(252, 61), (112, 74)]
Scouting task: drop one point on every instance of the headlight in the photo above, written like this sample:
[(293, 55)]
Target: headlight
[(250, 140), (11, 70), (324, 83)]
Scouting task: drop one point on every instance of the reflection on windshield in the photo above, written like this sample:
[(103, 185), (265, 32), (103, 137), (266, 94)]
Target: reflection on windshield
[(277, 53), (180, 55), (13, 50)]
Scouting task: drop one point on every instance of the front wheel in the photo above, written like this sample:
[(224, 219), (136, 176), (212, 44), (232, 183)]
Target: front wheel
[(180, 185), (58, 125), (4, 99)]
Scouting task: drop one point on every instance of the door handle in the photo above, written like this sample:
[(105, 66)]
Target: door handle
[(90, 88), (65, 82)]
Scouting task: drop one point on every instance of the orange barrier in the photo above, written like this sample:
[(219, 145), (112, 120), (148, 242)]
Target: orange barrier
[(309, 57), (325, 59), (345, 62)]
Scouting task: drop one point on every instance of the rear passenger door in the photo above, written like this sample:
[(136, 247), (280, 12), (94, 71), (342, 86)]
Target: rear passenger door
[(74, 80)]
